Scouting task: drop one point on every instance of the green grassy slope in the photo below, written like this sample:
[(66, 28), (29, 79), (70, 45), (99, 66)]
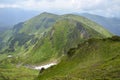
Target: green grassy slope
[(88, 22), (111, 24), (95, 59), (39, 24), (4, 37), (31, 30), (13, 72), (48, 36), (24, 35), (65, 33)]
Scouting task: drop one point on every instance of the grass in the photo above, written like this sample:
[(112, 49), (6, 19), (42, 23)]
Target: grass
[(13, 72), (89, 23), (65, 34), (39, 24), (93, 60), (49, 36)]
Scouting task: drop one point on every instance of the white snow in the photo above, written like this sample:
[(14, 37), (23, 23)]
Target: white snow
[(9, 56), (44, 66)]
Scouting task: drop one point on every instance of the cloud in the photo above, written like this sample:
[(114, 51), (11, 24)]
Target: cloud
[(47, 4), (9, 6), (39, 4), (109, 7)]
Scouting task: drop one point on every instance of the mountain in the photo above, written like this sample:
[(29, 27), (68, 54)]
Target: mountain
[(49, 36), (67, 32), (111, 24), (95, 59), (44, 38), (9, 17), (5, 34), (3, 29), (38, 24)]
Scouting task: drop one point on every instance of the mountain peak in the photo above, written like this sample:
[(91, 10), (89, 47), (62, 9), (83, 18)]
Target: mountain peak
[(47, 13)]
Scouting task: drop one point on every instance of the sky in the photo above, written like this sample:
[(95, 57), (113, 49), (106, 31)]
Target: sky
[(108, 8)]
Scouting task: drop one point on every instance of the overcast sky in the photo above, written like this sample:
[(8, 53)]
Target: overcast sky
[(102, 7)]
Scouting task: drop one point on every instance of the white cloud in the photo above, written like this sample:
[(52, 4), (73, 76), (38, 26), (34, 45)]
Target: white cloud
[(46, 5), (109, 7), (9, 6), (55, 4)]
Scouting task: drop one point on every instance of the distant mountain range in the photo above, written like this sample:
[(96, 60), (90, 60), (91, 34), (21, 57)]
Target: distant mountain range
[(111, 24), (10, 17), (3, 29)]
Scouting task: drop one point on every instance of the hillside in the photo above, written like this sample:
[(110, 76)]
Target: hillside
[(95, 59), (67, 32), (111, 24), (38, 24), (43, 39), (5, 34), (28, 32), (49, 36)]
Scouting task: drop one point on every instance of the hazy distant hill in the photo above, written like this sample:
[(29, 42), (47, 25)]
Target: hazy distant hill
[(3, 29), (9, 17), (111, 24)]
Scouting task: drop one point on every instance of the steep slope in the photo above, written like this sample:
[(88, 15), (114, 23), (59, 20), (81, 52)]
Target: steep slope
[(2, 30), (12, 72), (5, 34), (46, 37), (89, 23), (49, 36), (111, 24), (26, 34), (67, 32), (95, 59), (39, 23)]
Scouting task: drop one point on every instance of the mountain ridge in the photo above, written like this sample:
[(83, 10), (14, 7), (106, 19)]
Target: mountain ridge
[(94, 59), (55, 31), (47, 38), (111, 24)]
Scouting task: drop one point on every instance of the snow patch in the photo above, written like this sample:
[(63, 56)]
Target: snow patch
[(9, 56), (44, 66)]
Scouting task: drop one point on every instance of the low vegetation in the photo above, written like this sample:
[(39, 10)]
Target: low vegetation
[(16, 72), (95, 59), (48, 37)]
